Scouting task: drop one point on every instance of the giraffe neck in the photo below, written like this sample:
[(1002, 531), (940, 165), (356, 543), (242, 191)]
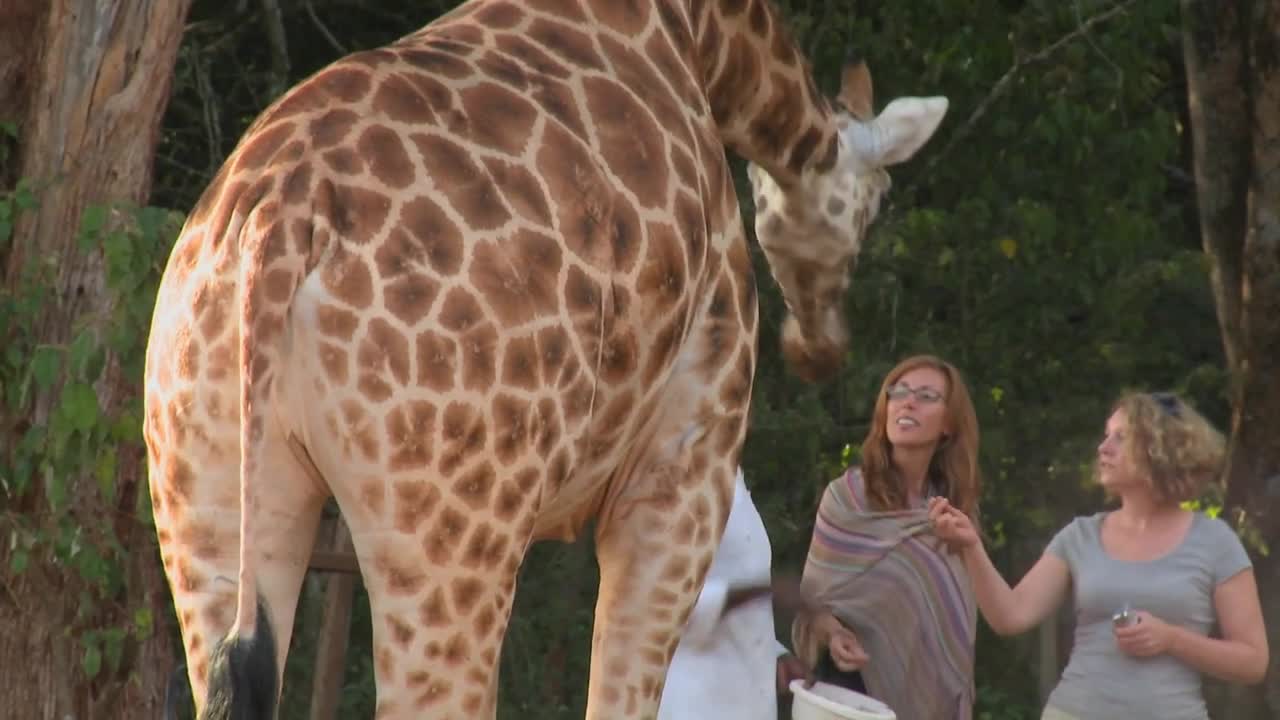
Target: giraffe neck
[(761, 92)]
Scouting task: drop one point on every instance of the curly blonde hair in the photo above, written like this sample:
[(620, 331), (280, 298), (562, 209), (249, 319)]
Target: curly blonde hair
[(1182, 452)]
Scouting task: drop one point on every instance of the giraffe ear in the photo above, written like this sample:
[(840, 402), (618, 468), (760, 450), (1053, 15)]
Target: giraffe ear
[(855, 89), (900, 131)]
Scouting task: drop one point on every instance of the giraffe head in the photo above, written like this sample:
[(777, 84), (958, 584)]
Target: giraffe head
[(811, 227)]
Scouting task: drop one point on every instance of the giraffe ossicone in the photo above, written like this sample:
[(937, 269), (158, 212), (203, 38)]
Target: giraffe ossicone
[(480, 286)]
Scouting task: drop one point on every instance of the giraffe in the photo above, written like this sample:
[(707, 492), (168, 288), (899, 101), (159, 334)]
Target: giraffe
[(480, 286)]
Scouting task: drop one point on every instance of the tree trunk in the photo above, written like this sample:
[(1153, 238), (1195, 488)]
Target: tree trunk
[(1232, 54), (84, 82)]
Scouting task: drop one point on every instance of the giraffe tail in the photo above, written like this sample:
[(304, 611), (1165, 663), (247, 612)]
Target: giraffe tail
[(243, 679), (242, 675)]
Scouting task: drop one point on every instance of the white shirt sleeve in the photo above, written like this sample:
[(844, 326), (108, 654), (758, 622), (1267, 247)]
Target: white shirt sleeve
[(706, 612)]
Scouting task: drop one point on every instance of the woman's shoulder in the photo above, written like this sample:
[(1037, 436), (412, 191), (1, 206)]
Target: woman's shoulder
[(1214, 532)]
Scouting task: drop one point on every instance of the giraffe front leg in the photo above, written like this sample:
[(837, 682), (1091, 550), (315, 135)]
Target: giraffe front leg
[(654, 542)]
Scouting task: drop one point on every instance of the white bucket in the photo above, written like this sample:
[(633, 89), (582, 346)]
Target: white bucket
[(825, 701)]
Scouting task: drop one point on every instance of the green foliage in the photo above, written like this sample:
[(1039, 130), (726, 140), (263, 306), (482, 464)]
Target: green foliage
[(60, 471)]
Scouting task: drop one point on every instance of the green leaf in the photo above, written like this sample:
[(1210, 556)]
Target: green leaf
[(106, 473), (143, 623), (80, 404), (81, 350), (92, 660), (18, 563), (92, 222), (46, 364)]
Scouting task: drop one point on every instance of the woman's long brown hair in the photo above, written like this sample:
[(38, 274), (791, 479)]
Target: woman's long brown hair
[(953, 470)]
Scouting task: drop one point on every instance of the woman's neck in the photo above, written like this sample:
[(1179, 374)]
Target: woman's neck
[(911, 465), (1141, 508)]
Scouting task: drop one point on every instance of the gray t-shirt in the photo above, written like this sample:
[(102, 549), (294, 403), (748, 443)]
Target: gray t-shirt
[(1103, 683)]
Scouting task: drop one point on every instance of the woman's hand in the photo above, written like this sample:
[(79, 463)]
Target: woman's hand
[(846, 651), (1147, 636), (951, 525), (790, 668)]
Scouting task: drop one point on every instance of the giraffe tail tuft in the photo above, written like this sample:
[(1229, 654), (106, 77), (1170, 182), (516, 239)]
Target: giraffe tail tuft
[(242, 674)]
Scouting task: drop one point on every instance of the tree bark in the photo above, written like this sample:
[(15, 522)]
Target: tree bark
[(1232, 54), (85, 82)]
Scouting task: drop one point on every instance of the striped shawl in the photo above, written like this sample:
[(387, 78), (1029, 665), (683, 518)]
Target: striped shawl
[(886, 577)]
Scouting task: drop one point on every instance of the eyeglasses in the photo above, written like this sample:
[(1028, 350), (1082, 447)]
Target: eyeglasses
[(1169, 403), (923, 394)]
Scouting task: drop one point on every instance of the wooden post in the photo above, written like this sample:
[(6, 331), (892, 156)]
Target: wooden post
[(331, 644)]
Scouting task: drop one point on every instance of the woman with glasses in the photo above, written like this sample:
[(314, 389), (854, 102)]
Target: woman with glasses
[(895, 615), (1149, 579)]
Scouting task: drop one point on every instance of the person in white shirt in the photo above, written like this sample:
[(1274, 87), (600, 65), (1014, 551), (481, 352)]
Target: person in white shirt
[(729, 663)]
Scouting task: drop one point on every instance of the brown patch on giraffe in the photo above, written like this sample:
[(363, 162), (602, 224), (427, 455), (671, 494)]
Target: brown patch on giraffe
[(508, 118), (262, 146), (463, 436), (585, 203), (331, 128), (511, 427), (508, 500), (186, 577), (743, 272), (691, 221), (347, 84), (410, 297), (403, 575), (335, 361), (570, 10), (401, 632), (499, 15), (520, 189), (628, 17), (435, 233), (662, 274), (221, 362), (336, 322), (553, 350), (400, 100), (415, 501), (388, 160), (735, 390), (437, 361), (726, 437), (504, 69), (210, 306), (201, 538), (542, 65), (558, 470), (577, 401), (296, 187), (479, 348), (434, 611), (501, 281), (384, 349), (566, 42), (469, 190), (683, 164), (456, 650), (520, 363), (177, 476), (344, 161), (358, 426), (355, 214), (546, 427), (445, 536), (436, 62), (346, 276), (475, 486), (465, 592), (277, 286), (187, 350), (410, 430), (486, 622)]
